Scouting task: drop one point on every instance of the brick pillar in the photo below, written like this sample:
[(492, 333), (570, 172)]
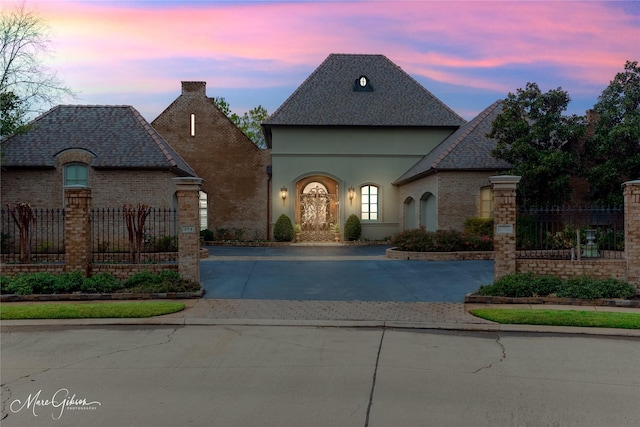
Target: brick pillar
[(632, 231), (187, 190), (504, 228), (77, 229)]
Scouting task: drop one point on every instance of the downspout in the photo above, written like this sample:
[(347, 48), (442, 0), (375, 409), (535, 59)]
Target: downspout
[(269, 174)]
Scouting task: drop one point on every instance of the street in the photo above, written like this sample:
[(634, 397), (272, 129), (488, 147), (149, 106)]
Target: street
[(309, 376)]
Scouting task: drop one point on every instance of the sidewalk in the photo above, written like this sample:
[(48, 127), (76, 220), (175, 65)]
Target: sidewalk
[(368, 314)]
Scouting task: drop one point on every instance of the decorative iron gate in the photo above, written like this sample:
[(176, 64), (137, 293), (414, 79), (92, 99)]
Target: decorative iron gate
[(318, 213)]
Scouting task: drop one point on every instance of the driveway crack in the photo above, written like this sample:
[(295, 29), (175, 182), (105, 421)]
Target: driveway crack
[(373, 383)]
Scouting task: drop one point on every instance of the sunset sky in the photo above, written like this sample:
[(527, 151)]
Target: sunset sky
[(467, 53)]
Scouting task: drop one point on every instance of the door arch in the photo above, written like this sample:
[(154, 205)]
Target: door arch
[(317, 207)]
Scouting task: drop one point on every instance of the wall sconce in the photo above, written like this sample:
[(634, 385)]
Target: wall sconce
[(352, 194), (283, 194)]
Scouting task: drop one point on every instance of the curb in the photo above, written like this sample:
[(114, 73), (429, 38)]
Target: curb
[(469, 327), (486, 299)]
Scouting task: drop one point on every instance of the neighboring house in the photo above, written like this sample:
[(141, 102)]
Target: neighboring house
[(342, 139), (451, 183), (111, 149), (235, 191)]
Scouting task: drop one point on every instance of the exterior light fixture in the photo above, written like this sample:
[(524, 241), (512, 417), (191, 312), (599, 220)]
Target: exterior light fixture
[(352, 194), (283, 194)]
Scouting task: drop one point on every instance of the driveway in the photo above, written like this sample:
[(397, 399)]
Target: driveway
[(336, 273)]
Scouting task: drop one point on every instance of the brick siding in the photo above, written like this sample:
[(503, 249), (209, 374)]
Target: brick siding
[(233, 168)]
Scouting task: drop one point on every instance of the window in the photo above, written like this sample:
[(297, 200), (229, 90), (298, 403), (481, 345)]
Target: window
[(192, 127), (486, 202), (369, 197), (203, 211), (76, 175)]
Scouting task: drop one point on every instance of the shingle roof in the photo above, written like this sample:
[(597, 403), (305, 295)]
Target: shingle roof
[(468, 148), (327, 97), (118, 136)]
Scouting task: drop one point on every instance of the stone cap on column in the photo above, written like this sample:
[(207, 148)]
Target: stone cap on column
[(631, 183), (188, 183), (505, 182)]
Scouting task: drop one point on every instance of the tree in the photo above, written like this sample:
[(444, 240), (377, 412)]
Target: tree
[(249, 123), (533, 135), (612, 154), (12, 114), (26, 85)]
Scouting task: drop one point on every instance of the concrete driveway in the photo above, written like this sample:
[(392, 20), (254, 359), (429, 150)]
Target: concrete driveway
[(336, 273)]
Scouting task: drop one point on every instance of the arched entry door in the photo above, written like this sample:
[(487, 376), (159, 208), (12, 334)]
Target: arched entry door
[(317, 209)]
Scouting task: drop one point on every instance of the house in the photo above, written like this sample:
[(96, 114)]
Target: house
[(111, 149), (360, 136), (451, 183), (236, 173)]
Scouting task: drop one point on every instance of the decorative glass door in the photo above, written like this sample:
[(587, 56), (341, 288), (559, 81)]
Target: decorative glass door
[(318, 213)]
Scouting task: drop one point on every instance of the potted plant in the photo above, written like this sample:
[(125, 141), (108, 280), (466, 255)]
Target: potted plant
[(298, 230), (336, 232)]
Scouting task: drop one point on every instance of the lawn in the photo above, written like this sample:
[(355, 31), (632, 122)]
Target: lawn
[(594, 319), (88, 310)]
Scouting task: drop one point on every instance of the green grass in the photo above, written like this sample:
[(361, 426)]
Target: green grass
[(594, 319), (91, 310)]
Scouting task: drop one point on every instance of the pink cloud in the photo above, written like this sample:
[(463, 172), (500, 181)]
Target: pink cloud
[(106, 45)]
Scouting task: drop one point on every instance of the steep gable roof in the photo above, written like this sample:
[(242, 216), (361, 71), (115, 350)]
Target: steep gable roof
[(329, 96), (468, 148), (118, 136)]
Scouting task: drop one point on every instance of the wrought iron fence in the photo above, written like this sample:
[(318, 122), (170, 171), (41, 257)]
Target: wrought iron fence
[(116, 233), (570, 232), (38, 237)]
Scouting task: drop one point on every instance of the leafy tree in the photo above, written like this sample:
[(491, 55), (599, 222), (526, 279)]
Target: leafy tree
[(248, 123), (533, 134), (12, 114), (26, 85), (612, 154)]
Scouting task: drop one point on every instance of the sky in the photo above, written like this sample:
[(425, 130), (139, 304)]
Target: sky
[(467, 53)]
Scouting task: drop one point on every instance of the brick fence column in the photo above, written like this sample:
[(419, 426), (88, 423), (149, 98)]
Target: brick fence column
[(632, 231), (504, 220), (77, 229), (188, 227)]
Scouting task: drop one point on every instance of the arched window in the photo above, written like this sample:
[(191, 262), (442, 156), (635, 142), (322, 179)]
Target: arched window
[(76, 175), (369, 197), (409, 213)]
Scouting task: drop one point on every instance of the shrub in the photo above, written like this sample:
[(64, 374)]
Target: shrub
[(5, 284), (527, 285), (479, 226), (167, 244), (101, 282), (419, 240), (283, 230), (207, 235), (352, 228), (69, 282)]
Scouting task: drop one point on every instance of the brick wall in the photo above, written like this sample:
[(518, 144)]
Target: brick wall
[(233, 168), (565, 269), (632, 230), (110, 188)]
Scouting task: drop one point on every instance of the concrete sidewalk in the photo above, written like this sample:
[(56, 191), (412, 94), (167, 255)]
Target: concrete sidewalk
[(368, 314)]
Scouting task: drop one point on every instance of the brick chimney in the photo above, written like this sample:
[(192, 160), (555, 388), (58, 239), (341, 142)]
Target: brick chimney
[(194, 88)]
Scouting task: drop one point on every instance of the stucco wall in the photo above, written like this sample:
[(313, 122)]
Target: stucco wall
[(353, 157)]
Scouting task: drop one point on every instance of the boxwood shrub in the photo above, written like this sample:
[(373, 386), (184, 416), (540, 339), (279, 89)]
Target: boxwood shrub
[(419, 240), (521, 285), (283, 230), (352, 228), (75, 282)]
